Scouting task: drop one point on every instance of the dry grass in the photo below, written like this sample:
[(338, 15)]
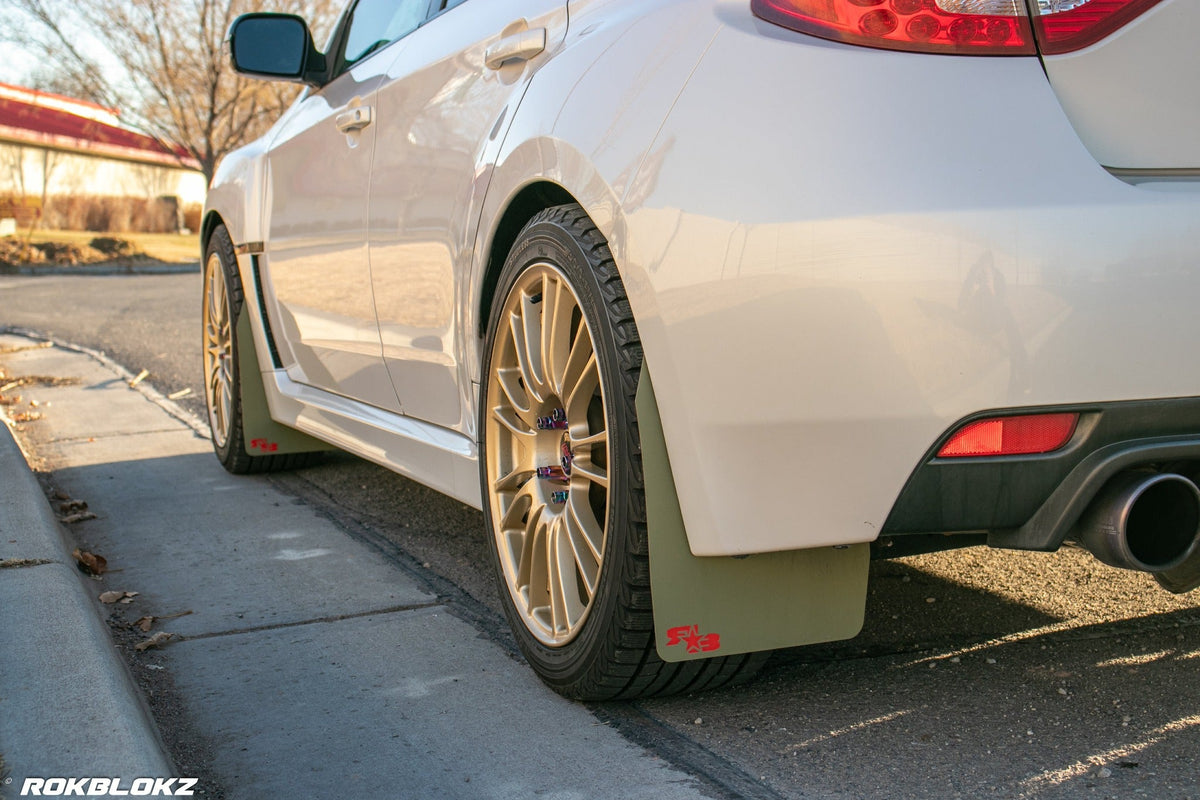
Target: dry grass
[(172, 248)]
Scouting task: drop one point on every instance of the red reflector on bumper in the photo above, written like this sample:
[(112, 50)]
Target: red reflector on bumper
[(1011, 436)]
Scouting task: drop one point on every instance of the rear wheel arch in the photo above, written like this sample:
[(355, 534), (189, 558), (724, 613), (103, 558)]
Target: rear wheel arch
[(527, 203)]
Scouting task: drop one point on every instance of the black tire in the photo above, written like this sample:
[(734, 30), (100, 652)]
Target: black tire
[(613, 655), (230, 448)]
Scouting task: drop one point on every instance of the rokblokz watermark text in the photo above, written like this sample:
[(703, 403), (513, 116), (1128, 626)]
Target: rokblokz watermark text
[(108, 787)]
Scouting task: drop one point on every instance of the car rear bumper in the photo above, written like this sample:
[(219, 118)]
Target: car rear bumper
[(875, 246)]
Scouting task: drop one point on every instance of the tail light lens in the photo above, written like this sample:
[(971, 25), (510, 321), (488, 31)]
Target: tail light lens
[(963, 27), (1066, 25), (1011, 436)]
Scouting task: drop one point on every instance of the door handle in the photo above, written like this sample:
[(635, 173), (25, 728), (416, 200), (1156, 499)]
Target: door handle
[(355, 119), (517, 47)]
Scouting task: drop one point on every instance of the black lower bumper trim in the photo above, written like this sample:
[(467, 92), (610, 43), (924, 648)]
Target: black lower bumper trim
[(1032, 502)]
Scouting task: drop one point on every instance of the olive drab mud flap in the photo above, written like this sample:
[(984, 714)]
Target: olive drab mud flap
[(261, 435), (713, 606)]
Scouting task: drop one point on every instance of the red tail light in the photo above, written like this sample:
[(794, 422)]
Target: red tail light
[(1066, 25), (963, 27), (960, 27), (1011, 436)]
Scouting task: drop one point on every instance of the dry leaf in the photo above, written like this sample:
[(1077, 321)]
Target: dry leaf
[(141, 376), (157, 640), (72, 506), (59, 494), (26, 416), (182, 393), (11, 385), (82, 516), (108, 598), (147, 622), (11, 401), (90, 563)]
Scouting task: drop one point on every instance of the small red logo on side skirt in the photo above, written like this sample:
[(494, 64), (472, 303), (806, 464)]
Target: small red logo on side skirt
[(689, 636)]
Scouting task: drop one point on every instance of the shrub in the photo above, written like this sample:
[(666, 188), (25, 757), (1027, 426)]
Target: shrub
[(111, 214)]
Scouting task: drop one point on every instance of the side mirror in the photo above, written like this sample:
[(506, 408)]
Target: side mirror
[(275, 47)]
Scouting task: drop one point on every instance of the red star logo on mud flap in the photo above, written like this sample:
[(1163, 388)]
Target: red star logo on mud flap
[(690, 637)]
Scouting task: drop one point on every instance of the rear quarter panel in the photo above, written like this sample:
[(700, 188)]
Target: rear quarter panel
[(840, 252)]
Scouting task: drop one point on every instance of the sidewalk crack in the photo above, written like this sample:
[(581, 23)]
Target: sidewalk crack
[(108, 436), (316, 621)]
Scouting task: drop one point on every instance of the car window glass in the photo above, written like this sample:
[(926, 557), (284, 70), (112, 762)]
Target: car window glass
[(377, 23)]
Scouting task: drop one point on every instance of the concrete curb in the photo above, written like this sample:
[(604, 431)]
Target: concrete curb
[(68, 706), (110, 268)]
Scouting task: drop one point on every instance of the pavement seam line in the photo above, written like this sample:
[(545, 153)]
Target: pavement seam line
[(317, 621), (457, 600), (110, 436), (198, 426)]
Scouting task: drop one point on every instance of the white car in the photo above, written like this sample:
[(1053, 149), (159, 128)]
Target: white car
[(707, 302)]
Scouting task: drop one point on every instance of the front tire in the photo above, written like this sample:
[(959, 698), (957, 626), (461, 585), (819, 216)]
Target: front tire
[(223, 299), (560, 464)]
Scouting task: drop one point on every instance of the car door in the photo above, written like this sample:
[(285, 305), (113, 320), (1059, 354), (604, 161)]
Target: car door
[(318, 172), (445, 107)]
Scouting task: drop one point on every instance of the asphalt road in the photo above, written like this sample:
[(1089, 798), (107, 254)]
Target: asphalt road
[(979, 673)]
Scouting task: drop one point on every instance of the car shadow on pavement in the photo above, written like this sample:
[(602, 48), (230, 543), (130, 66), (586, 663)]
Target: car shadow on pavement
[(970, 695), (977, 672)]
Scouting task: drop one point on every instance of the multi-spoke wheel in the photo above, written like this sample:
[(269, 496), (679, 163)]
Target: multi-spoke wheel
[(548, 454), (561, 470), (218, 350), (223, 299)]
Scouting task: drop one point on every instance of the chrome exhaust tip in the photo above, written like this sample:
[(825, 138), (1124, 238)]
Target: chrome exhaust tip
[(1144, 521)]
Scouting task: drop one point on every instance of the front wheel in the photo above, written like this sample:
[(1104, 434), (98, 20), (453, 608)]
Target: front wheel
[(223, 299), (564, 500)]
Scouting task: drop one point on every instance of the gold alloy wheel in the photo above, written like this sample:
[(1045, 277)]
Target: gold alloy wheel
[(547, 455), (218, 351)]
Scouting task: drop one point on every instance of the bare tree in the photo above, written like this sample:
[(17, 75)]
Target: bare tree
[(16, 160), (176, 82), (12, 158)]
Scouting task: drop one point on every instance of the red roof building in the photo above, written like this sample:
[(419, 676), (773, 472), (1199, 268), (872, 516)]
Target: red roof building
[(56, 150), (41, 119)]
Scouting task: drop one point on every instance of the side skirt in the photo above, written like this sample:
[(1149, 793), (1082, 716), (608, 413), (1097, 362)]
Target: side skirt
[(438, 458)]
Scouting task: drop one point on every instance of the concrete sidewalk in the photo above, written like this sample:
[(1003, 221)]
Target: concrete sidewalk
[(312, 665), (67, 704)]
